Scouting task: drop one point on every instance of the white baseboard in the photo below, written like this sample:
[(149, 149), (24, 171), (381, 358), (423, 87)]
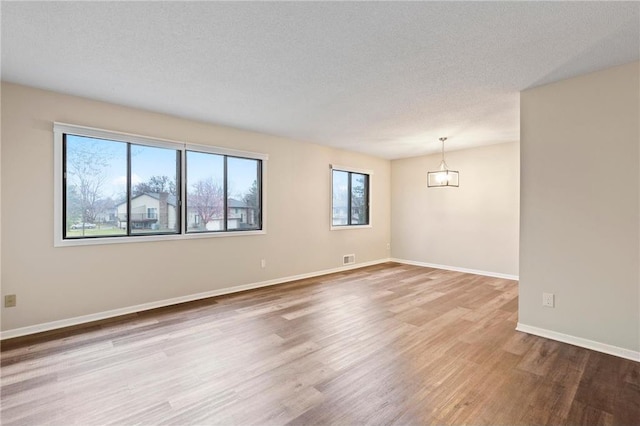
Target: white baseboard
[(457, 269), (579, 341), (38, 328)]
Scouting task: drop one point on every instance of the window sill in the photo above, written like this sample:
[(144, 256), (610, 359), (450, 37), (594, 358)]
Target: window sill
[(148, 238), (345, 227)]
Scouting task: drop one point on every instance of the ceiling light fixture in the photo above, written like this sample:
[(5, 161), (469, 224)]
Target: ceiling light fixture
[(444, 176)]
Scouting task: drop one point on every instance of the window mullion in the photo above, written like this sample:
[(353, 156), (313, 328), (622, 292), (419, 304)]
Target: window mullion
[(64, 185), (349, 198), (178, 189), (129, 189), (367, 195), (226, 196), (259, 183)]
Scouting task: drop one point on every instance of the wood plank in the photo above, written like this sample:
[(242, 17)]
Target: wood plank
[(386, 344)]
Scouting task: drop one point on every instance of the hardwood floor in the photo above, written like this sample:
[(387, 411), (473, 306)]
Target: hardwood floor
[(384, 344)]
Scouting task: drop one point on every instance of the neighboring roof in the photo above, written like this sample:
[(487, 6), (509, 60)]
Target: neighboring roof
[(233, 203), (171, 199)]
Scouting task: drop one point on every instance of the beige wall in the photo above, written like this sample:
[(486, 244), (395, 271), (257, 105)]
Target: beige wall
[(474, 226), (60, 283), (579, 207)]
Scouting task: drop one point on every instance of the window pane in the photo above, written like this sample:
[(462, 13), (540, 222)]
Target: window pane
[(359, 197), (205, 192), (243, 189), (96, 181), (340, 198), (154, 202)]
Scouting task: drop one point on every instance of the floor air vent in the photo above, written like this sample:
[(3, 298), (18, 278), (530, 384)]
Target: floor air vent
[(348, 259)]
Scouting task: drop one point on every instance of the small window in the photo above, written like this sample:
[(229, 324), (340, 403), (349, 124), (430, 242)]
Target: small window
[(350, 198)]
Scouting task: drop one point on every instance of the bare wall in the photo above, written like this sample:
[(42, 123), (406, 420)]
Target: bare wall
[(580, 236), (60, 283), (474, 226)]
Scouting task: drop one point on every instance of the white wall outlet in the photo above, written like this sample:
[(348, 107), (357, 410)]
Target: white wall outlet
[(263, 263), (388, 246), (548, 300)]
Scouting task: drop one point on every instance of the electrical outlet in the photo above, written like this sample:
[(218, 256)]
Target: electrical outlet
[(388, 246), (548, 300), (9, 300), (263, 263)]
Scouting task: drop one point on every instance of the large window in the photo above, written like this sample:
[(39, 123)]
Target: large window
[(115, 186), (350, 198)]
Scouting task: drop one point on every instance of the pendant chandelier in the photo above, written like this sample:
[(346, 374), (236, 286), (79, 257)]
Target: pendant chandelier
[(443, 176)]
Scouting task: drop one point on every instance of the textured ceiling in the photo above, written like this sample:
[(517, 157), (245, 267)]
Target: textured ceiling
[(386, 79)]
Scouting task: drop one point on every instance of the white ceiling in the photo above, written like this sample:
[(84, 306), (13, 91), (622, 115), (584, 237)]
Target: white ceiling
[(382, 78)]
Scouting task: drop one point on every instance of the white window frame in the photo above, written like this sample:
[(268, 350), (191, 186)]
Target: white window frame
[(59, 129), (333, 167)]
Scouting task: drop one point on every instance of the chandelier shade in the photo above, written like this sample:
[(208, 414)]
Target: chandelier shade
[(443, 176)]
